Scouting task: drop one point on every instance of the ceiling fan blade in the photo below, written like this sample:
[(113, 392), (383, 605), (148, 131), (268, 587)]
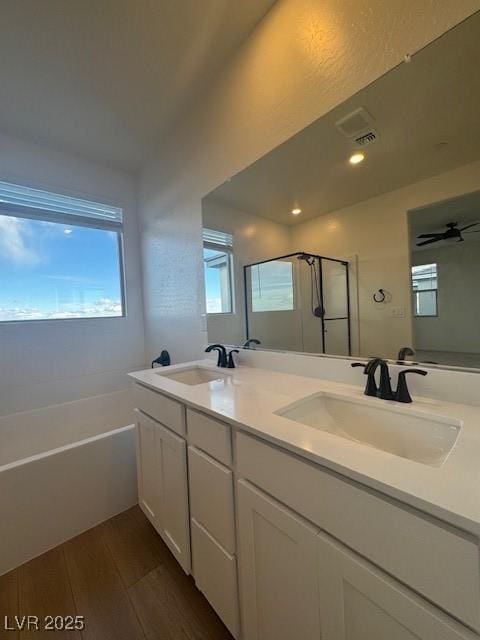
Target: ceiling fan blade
[(469, 226), (421, 244), (477, 231), (431, 235)]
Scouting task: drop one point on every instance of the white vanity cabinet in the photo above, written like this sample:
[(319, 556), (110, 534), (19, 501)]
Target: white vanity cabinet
[(278, 570), (211, 497), (354, 600), (162, 481), (212, 514), (298, 582), (284, 548), (148, 495), (171, 455), (191, 504), (360, 602)]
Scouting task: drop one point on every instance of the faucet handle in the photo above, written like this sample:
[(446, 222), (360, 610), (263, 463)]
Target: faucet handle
[(371, 388), (402, 393), (231, 361), (360, 364)]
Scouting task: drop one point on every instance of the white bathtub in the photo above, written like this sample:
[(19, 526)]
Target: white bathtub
[(63, 469)]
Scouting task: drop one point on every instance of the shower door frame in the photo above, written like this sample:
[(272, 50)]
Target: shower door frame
[(320, 275)]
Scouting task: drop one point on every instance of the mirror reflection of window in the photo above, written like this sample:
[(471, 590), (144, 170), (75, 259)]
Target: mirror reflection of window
[(425, 290), (272, 286), (218, 268)]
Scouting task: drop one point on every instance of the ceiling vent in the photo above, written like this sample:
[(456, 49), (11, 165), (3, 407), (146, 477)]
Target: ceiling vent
[(356, 124), (366, 138)]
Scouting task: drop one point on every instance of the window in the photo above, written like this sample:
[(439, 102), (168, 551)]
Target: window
[(217, 262), (425, 290), (272, 286), (60, 257)]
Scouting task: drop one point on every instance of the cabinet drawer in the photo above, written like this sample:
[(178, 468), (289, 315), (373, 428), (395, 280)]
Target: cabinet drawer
[(433, 558), (167, 411), (211, 497), (210, 435), (215, 574)]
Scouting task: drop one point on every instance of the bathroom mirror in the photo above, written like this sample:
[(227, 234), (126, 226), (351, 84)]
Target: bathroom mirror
[(360, 236)]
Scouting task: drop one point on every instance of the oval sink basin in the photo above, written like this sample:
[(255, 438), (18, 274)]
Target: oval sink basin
[(194, 375), (425, 438)]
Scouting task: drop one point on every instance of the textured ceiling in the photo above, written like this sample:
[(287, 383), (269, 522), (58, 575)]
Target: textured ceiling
[(426, 113), (105, 79)]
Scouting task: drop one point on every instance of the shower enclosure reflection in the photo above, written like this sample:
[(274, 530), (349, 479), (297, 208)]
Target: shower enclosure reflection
[(299, 302)]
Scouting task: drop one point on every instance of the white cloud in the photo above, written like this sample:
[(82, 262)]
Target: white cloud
[(13, 246), (103, 308)]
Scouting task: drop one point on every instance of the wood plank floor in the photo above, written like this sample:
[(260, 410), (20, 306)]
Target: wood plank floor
[(121, 577)]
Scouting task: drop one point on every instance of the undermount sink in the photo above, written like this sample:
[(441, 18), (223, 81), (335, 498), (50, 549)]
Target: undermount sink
[(195, 375), (424, 438)]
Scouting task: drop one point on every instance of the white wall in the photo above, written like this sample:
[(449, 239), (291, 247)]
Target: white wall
[(48, 362), (304, 58)]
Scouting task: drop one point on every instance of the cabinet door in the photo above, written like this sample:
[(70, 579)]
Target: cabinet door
[(171, 460), (360, 602), (147, 469), (215, 575), (277, 564), (211, 497)]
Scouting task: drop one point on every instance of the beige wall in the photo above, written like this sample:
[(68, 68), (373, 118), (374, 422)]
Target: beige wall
[(305, 57), (376, 231)]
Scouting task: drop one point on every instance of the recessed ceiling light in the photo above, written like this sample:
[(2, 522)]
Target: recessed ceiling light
[(296, 211), (356, 157)]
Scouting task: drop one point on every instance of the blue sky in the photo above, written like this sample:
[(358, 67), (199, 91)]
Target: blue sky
[(50, 270)]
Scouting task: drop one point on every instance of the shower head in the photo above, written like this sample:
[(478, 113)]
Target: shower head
[(307, 257)]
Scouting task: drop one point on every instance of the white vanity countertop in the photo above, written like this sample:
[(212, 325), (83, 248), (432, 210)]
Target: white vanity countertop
[(249, 397)]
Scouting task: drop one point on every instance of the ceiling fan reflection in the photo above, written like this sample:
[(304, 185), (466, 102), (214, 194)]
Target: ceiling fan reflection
[(452, 233)]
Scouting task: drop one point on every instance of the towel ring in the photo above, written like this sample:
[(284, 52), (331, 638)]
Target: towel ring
[(381, 297)]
